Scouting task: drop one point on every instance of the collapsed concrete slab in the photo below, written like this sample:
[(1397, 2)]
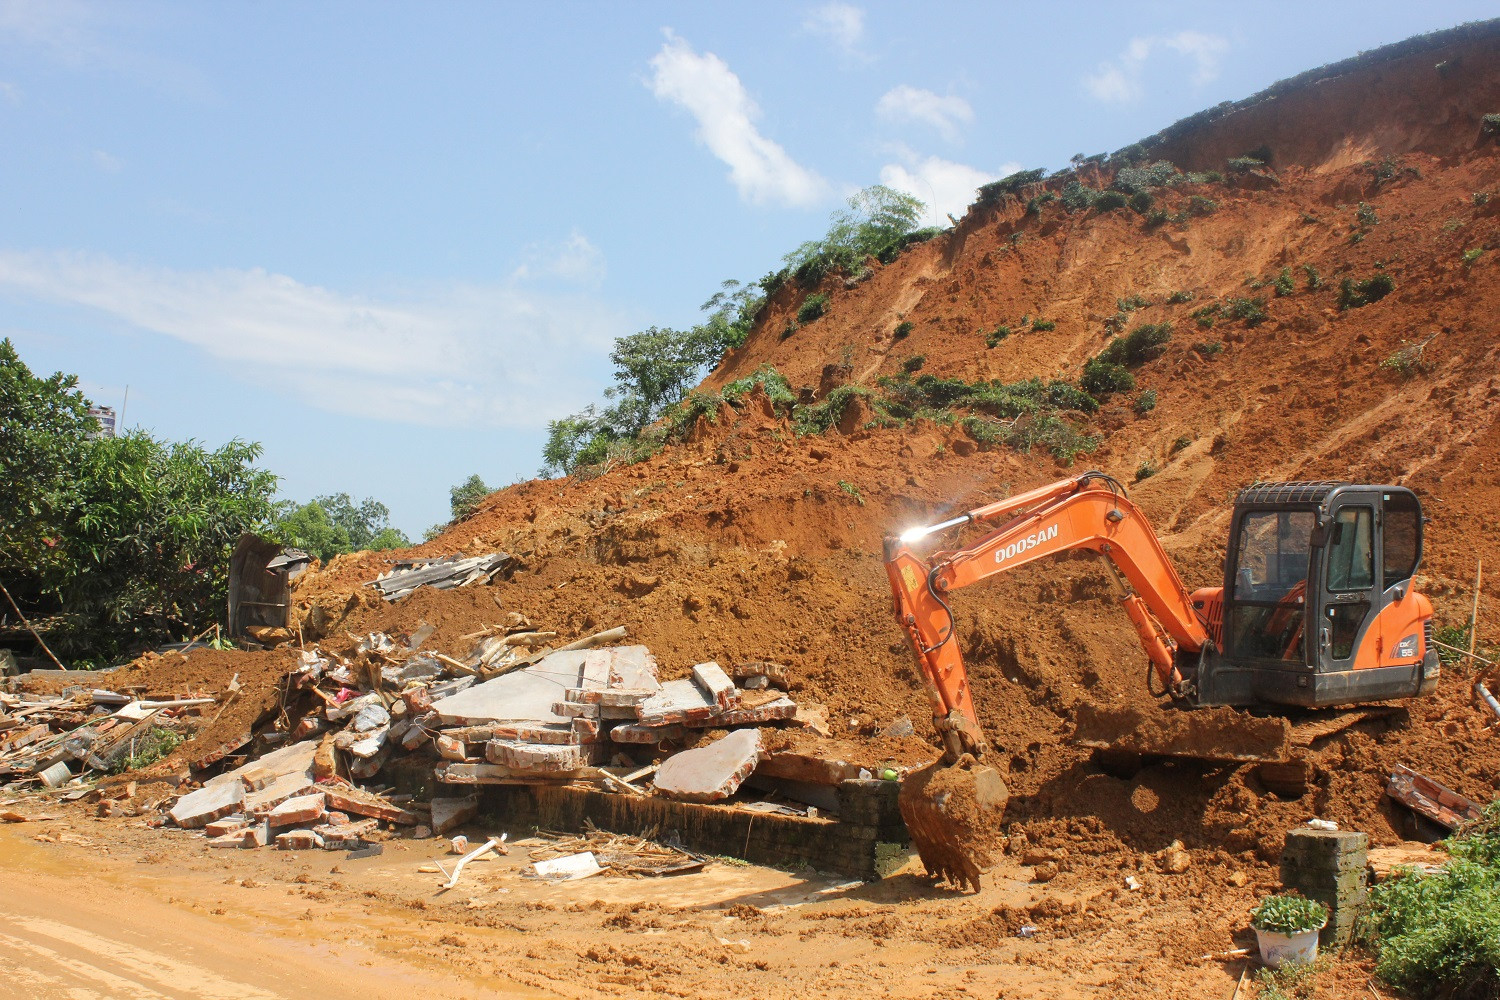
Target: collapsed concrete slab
[(449, 814), (215, 801), (771, 711), (712, 773), (716, 684), (524, 695), (645, 734), (536, 757), (302, 809), (677, 702)]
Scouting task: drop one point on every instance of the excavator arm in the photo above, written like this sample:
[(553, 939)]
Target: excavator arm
[(1088, 512)]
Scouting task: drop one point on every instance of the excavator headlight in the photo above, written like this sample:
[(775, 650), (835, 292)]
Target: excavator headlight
[(1406, 648)]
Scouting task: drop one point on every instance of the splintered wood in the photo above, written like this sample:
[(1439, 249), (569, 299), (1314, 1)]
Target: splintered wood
[(619, 854)]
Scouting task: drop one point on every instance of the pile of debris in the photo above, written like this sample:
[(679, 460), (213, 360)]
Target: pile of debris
[(444, 574), (43, 737)]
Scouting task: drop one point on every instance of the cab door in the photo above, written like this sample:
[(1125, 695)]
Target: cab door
[(1349, 593)]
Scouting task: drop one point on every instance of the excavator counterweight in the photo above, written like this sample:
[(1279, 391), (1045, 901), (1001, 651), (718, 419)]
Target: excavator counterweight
[(1316, 610)]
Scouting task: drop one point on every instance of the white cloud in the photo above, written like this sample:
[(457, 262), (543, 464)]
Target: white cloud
[(1119, 81), (499, 355), (905, 104), (946, 187), (106, 162), (707, 88), (10, 92), (841, 23), (575, 260)]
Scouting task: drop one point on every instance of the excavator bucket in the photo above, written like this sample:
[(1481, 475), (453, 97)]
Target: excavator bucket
[(953, 813), (1213, 734)]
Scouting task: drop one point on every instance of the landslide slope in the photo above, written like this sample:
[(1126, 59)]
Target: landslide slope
[(748, 541)]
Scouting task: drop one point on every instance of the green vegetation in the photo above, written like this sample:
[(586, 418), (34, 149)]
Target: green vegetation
[(1408, 361), (1179, 297), (996, 191), (1243, 164), (332, 525), (914, 364), (1180, 444), (1131, 302), (1283, 284), (996, 335), (1365, 216), (1209, 348), (1101, 378), (1314, 280), (1108, 201), (1142, 344), (902, 330), (879, 222), (790, 328), (1288, 914), (115, 544), (1470, 256), (1145, 403), (852, 491), (1145, 471), (1291, 981), (1042, 325), (812, 308), (1456, 636), (1356, 294), (1199, 205), (1140, 180), (146, 750), (1480, 198), (463, 501), (1490, 124), (1252, 311), (1438, 935)]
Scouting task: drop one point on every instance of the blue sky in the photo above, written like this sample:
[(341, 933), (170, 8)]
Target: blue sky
[(390, 241)]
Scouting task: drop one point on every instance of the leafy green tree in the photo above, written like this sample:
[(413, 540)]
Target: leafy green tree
[(44, 423), (332, 525), (464, 498), (877, 219), (118, 543)]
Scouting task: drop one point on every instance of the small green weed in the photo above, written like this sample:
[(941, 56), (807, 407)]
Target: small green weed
[(1131, 302), (1314, 279), (1043, 325), (996, 335), (1470, 256), (1145, 403), (1145, 471), (903, 329), (812, 307), (1357, 294), (914, 364), (852, 490), (1179, 297), (1209, 348), (1365, 216), (1283, 283)]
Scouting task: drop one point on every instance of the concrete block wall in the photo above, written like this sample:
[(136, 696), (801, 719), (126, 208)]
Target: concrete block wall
[(1329, 866), (849, 845)]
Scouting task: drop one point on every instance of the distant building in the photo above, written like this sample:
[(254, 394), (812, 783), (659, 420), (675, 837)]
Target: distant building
[(106, 417)]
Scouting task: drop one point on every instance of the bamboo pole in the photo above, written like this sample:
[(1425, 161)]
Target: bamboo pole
[(34, 634), (1474, 615)]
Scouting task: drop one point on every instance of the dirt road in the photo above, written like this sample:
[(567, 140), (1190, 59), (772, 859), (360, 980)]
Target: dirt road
[(79, 927)]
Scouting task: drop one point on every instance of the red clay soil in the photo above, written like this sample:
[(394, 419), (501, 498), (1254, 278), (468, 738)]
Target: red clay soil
[(749, 542)]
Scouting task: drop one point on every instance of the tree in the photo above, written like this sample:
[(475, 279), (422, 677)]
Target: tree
[(464, 498), (332, 525), (119, 543), (44, 423), (877, 219)]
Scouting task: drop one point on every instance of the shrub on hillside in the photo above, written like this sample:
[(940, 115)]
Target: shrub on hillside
[(812, 307), (1101, 378), (1356, 294)]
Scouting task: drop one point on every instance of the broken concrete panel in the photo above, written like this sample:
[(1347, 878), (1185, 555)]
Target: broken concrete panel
[(777, 673), (302, 809), (298, 840), (365, 768), (450, 814), (496, 774), (716, 684), (536, 757), (806, 768), (711, 773), (677, 701), (351, 800), (344, 836), (619, 711), (352, 707), (525, 695), (781, 708), (586, 730), (449, 748), (575, 710), (645, 734), (416, 735), (632, 667), (371, 718), (211, 802), (255, 836), (232, 823), (372, 744), (530, 733)]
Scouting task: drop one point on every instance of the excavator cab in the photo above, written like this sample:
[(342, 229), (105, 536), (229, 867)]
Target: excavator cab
[(1317, 606)]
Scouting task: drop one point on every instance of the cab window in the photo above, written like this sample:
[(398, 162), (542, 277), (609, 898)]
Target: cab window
[(1351, 550), (1402, 537)]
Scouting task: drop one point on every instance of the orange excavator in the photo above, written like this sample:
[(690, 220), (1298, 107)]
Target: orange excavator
[(1316, 610)]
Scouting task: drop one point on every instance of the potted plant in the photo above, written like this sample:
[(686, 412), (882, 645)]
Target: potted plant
[(1287, 926)]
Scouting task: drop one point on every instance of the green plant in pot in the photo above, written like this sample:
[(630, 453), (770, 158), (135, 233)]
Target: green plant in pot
[(1287, 927)]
